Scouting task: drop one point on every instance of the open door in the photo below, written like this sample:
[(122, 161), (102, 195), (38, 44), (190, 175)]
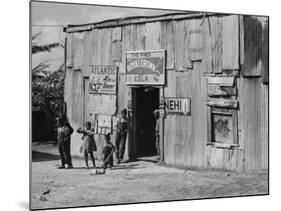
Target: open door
[(145, 101)]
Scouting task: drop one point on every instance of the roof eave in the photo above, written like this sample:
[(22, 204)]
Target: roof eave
[(134, 20)]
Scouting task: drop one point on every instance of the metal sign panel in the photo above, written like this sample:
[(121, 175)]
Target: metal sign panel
[(103, 79), (145, 67), (177, 105)]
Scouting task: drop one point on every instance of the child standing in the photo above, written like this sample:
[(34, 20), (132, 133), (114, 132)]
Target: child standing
[(121, 135), (89, 144), (108, 152)]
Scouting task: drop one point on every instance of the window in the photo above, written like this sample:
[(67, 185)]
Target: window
[(223, 127)]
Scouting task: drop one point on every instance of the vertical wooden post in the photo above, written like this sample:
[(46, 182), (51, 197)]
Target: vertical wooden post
[(161, 124), (64, 107), (131, 141), (84, 102), (65, 53)]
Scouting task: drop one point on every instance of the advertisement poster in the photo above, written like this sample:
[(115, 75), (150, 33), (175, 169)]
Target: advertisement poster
[(104, 124), (177, 105), (145, 67), (103, 79), (102, 104)]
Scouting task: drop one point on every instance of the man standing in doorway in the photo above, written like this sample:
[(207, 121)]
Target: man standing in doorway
[(156, 116), (121, 135)]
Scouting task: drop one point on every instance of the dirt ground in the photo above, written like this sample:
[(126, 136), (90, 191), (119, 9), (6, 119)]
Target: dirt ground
[(139, 181)]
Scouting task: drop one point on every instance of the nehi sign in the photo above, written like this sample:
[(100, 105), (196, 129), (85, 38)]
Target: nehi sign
[(145, 67), (103, 79), (177, 105)]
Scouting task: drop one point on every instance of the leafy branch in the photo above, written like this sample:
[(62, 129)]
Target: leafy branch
[(47, 86)]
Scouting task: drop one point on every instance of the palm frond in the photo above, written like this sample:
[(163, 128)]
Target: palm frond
[(44, 48)]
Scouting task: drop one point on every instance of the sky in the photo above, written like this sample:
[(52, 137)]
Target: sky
[(49, 18)]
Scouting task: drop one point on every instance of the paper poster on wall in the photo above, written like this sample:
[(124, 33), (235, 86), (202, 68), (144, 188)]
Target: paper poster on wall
[(103, 79), (104, 124), (102, 104)]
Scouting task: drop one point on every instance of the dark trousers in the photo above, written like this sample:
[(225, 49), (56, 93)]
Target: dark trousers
[(157, 146), (64, 150), (120, 143)]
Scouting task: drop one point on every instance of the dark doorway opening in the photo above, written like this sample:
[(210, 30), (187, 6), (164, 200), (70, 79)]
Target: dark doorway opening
[(145, 101)]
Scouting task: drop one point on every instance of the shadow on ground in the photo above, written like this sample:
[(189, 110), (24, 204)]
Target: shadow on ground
[(125, 167), (115, 167), (152, 159), (43, 156)]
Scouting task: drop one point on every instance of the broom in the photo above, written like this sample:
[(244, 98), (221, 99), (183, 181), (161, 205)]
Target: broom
[(101, 169)]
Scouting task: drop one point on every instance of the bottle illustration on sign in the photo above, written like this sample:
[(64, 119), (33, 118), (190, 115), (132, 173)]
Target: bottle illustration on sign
[(103, 79), (95, 85)]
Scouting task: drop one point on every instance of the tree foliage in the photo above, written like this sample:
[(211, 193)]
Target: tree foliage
[(44, 48), (36, 48), (47, 86)]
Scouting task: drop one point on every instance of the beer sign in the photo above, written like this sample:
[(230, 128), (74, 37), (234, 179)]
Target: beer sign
[(145, 67), (103, 79), (177, 105)]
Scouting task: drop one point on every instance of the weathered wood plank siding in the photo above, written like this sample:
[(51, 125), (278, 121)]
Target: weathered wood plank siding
[(180, 42), (167, 42), (256, 47), (265, 52), (199, 114), (128, 33), (218, 49), (71, 96), (217, 43), (230, 40), (253, 128), (185, 136), (253, 94)]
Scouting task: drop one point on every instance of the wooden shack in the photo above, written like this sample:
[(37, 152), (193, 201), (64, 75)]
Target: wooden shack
[(207, 73)]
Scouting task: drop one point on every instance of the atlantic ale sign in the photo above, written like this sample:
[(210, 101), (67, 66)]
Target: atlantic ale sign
[(145, 67), (177, 105), (103, 79)]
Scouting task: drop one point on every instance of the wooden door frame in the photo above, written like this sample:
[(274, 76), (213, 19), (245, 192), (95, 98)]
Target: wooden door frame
[(131, 109), (84, 99)]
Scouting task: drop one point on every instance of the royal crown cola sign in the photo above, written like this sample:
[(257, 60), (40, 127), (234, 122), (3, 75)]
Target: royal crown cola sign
[(145, 67)]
